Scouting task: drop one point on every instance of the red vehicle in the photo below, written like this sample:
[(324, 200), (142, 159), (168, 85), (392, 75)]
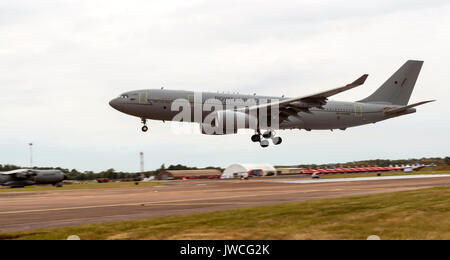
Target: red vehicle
[(335, 170), (341, 170), (318, 171), (349, 170), (310, 171), (103, 180), (393, 168), (371, 169), (327, 171), (256, 173)]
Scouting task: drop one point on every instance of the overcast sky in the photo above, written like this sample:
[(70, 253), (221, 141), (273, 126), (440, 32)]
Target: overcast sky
[(62, 61)]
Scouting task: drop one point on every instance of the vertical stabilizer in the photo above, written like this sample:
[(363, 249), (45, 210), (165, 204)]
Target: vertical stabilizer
[(397, 89)]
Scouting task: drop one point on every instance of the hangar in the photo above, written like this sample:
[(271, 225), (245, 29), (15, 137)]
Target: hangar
[(188, 174), (248, 169)]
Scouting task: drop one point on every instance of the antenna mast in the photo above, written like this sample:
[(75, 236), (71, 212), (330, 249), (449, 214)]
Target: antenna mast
[(31, 155)]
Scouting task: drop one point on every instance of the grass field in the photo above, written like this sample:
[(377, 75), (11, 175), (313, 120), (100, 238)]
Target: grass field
[(420, 214), (89, 185)]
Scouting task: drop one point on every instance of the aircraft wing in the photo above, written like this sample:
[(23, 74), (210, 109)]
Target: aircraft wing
[(298, 104), (391, 111), (21, 174)]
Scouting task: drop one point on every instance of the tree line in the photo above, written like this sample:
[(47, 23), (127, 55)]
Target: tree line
[(380, 162), (115, 175), (109, 174)]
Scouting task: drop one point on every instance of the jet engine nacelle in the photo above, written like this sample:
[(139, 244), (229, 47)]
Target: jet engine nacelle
[(227, 122)]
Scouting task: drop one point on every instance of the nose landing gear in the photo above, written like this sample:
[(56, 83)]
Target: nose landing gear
[(144, 128)]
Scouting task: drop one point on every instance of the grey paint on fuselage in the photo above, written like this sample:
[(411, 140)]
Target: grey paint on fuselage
[(4, 178), (40, 177), (310, 112), (156, 104)]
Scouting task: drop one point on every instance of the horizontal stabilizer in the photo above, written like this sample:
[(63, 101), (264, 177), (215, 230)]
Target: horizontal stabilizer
[(402, 109)]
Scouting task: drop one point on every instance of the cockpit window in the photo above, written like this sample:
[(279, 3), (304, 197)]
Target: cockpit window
[(124, 96)]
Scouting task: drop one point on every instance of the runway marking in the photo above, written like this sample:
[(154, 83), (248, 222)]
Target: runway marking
[(151, 203), (197, 204), (167, 192), (403, 177)]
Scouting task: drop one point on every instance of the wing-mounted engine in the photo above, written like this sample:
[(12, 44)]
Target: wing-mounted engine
[(227, 122), (25, 174)]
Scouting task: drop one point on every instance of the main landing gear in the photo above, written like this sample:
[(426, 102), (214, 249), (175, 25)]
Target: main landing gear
[(144, 128), (263, 138)]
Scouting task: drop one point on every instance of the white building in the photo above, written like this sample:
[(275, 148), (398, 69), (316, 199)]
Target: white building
[(247, 169)]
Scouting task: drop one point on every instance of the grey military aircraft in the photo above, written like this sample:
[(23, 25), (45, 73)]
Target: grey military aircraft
[(310, 112), (25, 177)]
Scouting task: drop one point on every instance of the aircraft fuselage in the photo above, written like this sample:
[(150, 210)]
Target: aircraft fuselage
[(158, 105), (220, 113), (19, 178)]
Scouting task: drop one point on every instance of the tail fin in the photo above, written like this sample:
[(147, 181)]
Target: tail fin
[(398, 89)]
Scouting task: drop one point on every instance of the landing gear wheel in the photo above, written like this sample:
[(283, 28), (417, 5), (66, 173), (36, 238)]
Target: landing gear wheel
[(264, 143), (144, 128), (256, 138), (277, 140), (269, 134)]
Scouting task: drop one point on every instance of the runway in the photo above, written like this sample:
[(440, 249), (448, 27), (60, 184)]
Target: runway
[(20, 211)]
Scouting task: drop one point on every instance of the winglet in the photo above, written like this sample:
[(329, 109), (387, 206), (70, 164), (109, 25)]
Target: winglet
[(360, 81)]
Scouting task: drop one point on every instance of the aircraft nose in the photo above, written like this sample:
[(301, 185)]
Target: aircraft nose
[(114, 103)]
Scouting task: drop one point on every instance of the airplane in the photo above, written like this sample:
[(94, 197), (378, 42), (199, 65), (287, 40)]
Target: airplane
[(26, 177), (310, 112)]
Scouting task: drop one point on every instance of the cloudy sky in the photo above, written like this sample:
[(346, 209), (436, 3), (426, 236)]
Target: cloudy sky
[(62, 61)]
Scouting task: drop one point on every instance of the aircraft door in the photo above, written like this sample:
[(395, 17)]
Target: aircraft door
[(143, 97), (358, 113)]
